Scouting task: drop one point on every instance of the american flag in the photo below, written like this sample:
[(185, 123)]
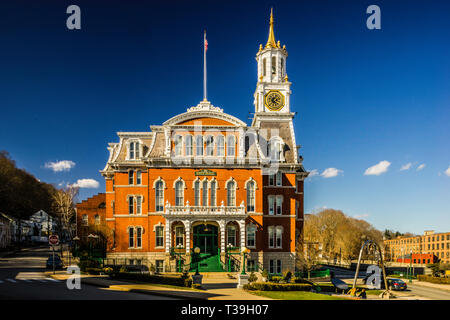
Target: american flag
[(206, 43)]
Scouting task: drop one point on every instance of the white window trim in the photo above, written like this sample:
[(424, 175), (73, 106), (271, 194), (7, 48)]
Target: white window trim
[(159, 225)]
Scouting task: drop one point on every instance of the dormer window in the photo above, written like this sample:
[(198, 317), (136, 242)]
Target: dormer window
[(178, 145), (275, 149), (230, 146), (209, 146), (199, 145), (220, 146), (133, 150), (188, 145)]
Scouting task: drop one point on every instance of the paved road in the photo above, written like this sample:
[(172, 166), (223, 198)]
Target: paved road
[(426, 292), (413, 290), (22, 277)]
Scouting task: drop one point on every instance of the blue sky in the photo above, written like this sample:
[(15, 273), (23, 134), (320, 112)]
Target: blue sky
[(361, 96)]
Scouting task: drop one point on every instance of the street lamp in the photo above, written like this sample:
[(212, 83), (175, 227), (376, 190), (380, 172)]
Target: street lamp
[(410, 268), (179, 246), (76, 239), (229, 256), (196, 251), (244, 252)]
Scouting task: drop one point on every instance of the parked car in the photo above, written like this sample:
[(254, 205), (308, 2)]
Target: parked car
[(57, 262), (393, 283), (396, 284)]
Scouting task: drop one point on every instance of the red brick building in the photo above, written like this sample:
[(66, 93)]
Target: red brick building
[(91, 215), (207, 179), (423, 258)]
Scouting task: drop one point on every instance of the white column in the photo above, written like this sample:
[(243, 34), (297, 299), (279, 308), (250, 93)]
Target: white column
[(242, 230), (187, 230), (222, 236), (168, 235)]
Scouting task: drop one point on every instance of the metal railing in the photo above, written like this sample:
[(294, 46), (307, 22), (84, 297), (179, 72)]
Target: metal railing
[(204, 210)]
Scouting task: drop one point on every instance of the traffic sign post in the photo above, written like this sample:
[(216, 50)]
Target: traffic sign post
[(53, 240)]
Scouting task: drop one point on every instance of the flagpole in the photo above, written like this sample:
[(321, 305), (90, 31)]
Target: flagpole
[(204, 66)]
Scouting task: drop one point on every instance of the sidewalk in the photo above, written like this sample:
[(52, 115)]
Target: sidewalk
[(190, 294)]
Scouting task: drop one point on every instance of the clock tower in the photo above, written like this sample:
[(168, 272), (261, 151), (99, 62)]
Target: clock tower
[(273, 88)]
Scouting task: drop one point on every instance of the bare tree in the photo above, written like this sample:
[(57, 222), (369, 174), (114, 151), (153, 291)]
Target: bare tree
[(64, 208), (338, 235)]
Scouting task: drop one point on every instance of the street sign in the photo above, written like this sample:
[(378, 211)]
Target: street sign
[(53, 240)]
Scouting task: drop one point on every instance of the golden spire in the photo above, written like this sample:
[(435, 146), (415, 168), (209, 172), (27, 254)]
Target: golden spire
[(271, 40)]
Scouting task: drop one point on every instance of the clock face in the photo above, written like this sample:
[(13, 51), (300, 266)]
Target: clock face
[(274, 100)]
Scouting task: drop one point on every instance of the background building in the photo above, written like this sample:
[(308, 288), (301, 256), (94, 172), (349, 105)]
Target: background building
[(429, 243)]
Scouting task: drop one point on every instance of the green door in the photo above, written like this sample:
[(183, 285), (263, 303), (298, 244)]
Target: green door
[(206, 238)]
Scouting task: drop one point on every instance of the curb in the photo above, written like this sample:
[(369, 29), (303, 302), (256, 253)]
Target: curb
[(143, 291)]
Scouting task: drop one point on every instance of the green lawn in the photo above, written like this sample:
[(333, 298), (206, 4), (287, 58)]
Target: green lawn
[(295, 295)]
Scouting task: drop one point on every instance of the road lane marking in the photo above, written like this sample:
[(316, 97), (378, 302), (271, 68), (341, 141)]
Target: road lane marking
[(11, 280)]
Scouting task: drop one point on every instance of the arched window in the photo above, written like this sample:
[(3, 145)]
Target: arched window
[(196, 193), (264, 67), (231, 193), (179, 236), (131, 177), (130, 204), (179, 193), (251, 236), (251, 196), (159, 236), (138, 237), (130, 237), (209, 145), (139, 204), (205, 193), (139, 177), (178, 144), (231, 235), (282, 67), (274, 65), (212, 201), (220, 146), (199, 145), (159, 196), (188, 145), (230, 146)]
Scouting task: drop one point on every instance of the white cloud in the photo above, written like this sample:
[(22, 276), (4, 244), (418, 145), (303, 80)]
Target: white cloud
[(379, 168), (421, 167), (360, 216), (406, 166), (330, 172), (86, 183), (313, 173), (64, 165), (447, 172)]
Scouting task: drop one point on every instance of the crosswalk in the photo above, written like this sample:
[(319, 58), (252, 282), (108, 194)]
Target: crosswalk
[(18, 281), (28, 277)]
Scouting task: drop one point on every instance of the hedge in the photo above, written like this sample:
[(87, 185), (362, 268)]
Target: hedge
[(432, 279), (181, 281), (269, 286)]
